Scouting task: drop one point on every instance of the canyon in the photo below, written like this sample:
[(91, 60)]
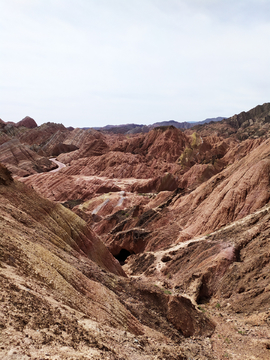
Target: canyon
[(136, 245)]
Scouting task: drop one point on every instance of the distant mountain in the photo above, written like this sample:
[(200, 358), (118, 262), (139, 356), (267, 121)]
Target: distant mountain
[(210, 120), (136, 128)]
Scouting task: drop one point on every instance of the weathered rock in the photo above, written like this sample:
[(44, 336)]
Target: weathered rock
[(251, 124), (5, 176), (40, 135), (27, 122), (21, 160), (58, 278), (187, 319)]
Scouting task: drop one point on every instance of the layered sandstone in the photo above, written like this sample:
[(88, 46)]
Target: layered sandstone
[(21, 160), (254, 123), (186, 215), (58, 278), (27, 122)]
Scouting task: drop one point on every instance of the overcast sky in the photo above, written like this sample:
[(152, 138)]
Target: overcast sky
[(99, 62)]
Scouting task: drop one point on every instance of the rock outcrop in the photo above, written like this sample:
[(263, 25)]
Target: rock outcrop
[(254, 123), (27, 122), (22, 161), (41, 135)]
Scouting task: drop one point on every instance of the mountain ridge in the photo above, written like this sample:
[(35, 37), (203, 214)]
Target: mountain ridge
[(136, 128)]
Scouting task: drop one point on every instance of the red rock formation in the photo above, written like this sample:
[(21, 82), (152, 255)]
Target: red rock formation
[(41, 134), (54, 269), (5, 176), (22, 161), (27, 122), (237, 191), (3, 138), (195, 243), (61, 187), (231, 264), (254, 123)]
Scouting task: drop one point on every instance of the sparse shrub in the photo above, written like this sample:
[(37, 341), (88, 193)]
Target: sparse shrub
[(167, 292), (202, 309), (241, 332)]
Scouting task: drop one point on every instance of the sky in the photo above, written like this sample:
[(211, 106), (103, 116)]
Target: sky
[(89, 63)]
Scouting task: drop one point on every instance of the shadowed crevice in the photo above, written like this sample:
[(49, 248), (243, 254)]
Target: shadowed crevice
[(122, 256)]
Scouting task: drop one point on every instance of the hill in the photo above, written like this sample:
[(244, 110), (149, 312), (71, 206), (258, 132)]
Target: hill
[(151, 245)]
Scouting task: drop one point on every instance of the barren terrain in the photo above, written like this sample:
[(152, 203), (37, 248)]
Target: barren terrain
[(121, 246)]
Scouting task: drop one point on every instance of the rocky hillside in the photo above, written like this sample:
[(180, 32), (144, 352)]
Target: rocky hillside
[(21, 160), (26, 122), (254, 124), (163, 159), (142, 246), (64, 294)]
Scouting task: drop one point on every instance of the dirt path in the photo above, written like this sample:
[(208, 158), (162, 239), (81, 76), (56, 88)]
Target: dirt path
[(60, 165)]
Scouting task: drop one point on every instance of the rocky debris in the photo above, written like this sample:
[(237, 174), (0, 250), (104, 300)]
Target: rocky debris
[(227, 273), (187, 319), (161, 304), (131, 240)]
